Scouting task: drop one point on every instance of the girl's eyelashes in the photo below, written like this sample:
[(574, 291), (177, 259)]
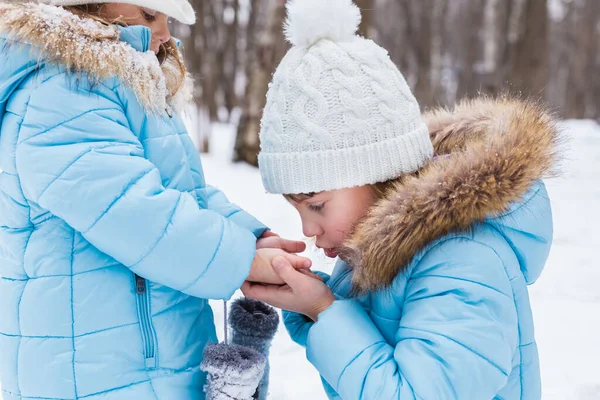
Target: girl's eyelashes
[(316, 207), (149, 16)]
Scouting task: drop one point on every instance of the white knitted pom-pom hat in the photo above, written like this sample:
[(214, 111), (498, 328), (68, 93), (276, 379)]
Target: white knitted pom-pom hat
[(181, 10), (339, 114)]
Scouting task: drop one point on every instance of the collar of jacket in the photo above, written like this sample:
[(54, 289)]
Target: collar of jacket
[(85, 45)]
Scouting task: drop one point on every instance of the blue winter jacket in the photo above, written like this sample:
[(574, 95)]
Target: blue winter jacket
[(432, 301), (110, 240)]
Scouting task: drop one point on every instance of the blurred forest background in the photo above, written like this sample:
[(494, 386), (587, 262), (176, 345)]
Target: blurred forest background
[(447, 49)]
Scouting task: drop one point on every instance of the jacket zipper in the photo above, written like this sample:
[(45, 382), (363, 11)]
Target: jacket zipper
[(145, 317)]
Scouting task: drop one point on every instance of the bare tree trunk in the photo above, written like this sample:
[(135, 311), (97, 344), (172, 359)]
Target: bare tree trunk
[(574, 60), (529, 72), (194, 48), (391, 32), (409, 29), (468, 47), (556, 94), (367, 8), (438, 71), (203, 130), (583, 60), (214, 55), (230, 63), (459, 28), (270, 51), (561, 91), (249, 63), (495, 46), (592, 109), (419, 34)]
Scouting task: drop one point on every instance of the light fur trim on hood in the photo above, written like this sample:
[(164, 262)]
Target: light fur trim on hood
[(86, 45), (496, 149)]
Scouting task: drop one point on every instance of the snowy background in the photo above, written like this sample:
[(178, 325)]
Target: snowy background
[(566, 299), (470, 44)]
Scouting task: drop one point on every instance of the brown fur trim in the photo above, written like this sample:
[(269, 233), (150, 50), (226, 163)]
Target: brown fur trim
[(86, 45), (497, 149)]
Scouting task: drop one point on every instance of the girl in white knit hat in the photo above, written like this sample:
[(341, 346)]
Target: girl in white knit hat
[(440, 221), (110, 240)]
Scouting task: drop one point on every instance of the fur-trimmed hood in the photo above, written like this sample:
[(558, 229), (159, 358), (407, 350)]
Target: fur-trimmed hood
[(85, 45), (490, 152)]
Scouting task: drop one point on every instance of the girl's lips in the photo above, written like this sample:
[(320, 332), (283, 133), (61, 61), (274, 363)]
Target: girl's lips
[(331, 253)]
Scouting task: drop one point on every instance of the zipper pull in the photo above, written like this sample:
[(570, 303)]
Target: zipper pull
[(140, 285)]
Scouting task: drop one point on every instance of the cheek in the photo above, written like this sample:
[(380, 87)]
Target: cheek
[(346, 217), (339, 227)]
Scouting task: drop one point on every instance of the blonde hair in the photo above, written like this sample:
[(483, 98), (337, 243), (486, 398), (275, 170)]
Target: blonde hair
[(167, 54)]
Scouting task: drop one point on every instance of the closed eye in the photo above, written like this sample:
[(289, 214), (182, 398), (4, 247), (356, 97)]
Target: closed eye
[(148, 17), (316, 207)]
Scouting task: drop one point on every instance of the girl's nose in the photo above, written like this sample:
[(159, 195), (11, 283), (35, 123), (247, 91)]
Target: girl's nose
[(162, 33), (311, 229)]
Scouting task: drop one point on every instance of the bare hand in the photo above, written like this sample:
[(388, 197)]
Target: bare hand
[(262, 270), (268, 233), (275, 242), (301, 293)]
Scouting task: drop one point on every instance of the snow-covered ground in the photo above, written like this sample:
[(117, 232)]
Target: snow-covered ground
[(566, 299)]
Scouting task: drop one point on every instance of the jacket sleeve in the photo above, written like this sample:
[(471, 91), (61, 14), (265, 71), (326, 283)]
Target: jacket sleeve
[(297, 326), (82, 163), (217, 201), (456, 338)]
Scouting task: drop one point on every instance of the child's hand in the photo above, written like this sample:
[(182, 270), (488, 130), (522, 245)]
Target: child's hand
[(301, 293), (268, 233), (262, 270), (272, 240)]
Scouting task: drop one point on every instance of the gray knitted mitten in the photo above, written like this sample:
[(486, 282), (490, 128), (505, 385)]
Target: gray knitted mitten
[(253, 324), (234, 372)]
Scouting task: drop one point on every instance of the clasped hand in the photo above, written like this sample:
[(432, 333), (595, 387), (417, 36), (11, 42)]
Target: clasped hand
[(283, 279)]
